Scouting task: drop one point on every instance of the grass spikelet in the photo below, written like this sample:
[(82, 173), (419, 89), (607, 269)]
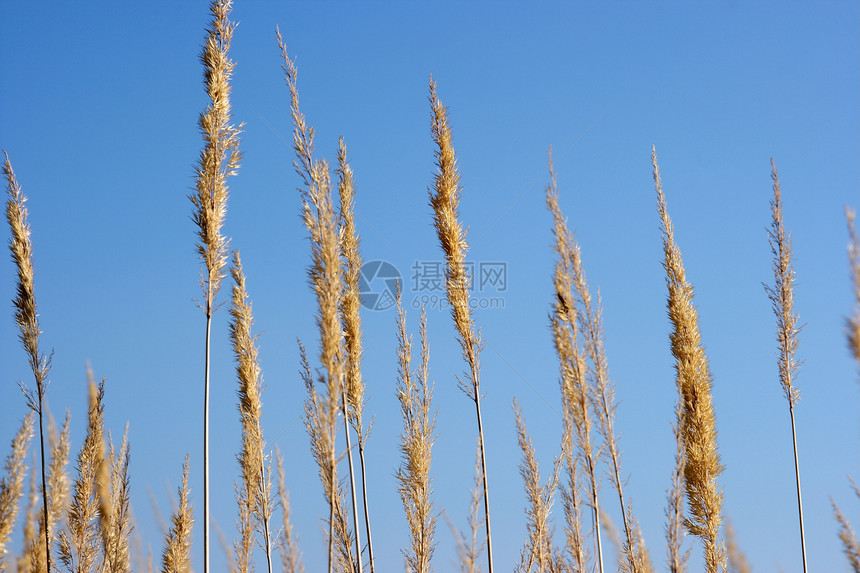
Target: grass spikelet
[(117, 557), (698, 424), (564, 322), (177, 550), (445, 198), (675, 533), (12, 484), (27, 319), (79, 541), (781, 296), (537, 554), (291, 558), (415, 393), (255, 492), (350, 306), (30, 531), (218, 160), (575, 553)]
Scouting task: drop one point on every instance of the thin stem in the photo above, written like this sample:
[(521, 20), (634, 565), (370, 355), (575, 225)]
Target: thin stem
[(263, 483), (364, 497), (483, 468), (44, 488), (206, 444), (797, 477), (352, 482)]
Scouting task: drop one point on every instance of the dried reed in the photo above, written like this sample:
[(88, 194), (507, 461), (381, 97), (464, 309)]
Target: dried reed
[(675, 532), (255, 494), (291, 558), (737, 560), (325, 274), (445, 198), (12, 484), (781, 296), (538, 551), (218, 160), (416, 445), (698, 425), (177, 547), (577, 394), (27, 319), (349, 307)]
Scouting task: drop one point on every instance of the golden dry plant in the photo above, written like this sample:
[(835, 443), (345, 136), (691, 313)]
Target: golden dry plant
[(255, 493), (291, 557), (415, 393), (176, 557), (12, 483), (576, 394), (737, 561), (27, 319), (445, 199), (697, 421), (326, 279), (781, 296), (218, 160), (676, 555)]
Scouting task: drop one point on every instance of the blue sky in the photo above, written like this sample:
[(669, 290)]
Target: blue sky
[(99, 116)]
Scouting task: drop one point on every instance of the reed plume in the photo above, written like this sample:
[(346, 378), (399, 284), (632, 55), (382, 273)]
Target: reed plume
[(177, 548), (218, 160), (693, 378), (445, 198), (575, 552), (737, 560), (781, 296), (12, 484), (351, 319), (470, 547), (853, 322), (538, 551), (256, 490), (291, 558), (27, 319), (326, 279), (58, 492), (415, 393), (79, 542), (675, 532), (119, 526), (577, 394), (29, 528)]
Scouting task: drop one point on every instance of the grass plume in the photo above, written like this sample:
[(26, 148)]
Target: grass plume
[(256, 490), (781, 296), (698, 424), (737, 560), (415, 393), (27, 319), (177, 548), (12, 484), (575, 391), (445, 198), (291, 558), (218, 160)]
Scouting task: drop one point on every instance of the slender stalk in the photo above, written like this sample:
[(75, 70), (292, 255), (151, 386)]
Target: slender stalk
[(445, 198), (218, 160), (351, 481), (693, 380), (27, 319), (781, 295)]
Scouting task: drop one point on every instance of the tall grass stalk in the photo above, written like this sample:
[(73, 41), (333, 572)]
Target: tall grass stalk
[(326, 278), (698, 424), (27, 319), (350, 306), (575, 391), (781, 296), (218, 160), (445, 198), (255, 493), (415, 393)]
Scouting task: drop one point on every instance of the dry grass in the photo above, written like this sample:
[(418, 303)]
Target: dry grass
[(12, 484), (445, 199), (697, 422), (415, 393), (177, 544), (737, 560), (291, 558)]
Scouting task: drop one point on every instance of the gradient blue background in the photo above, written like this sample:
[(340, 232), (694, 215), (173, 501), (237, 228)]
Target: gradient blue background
[(98, 110)]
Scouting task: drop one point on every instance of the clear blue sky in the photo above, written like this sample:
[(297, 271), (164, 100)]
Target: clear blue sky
[(98, 110)]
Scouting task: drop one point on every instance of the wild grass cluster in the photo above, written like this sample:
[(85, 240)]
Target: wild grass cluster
[(75, 515)]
